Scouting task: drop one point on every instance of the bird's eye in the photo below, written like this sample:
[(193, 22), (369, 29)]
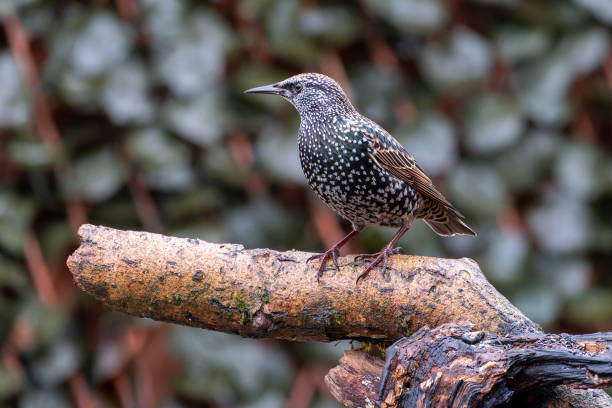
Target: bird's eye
[(297, 88)]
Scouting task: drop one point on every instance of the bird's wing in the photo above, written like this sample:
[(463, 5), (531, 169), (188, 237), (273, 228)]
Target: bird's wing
[(389, 154)]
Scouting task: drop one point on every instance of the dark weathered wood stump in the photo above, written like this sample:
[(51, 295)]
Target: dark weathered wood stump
[(454, 366)]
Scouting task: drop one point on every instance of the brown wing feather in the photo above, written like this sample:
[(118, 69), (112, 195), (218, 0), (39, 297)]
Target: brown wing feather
[(403, 166)]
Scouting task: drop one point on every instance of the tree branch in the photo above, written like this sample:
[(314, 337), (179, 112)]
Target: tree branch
[(265, 293)]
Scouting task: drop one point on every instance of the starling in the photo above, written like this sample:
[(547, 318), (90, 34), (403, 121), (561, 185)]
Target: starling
[(359, 170)]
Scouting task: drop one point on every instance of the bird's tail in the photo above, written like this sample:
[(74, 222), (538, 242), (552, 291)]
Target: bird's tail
[(451, 226)]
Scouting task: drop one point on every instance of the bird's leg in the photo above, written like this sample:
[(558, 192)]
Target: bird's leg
[(384, 253), (333, 252)]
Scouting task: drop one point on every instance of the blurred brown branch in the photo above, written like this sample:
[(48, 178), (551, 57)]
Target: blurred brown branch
[(45, 125), (265, 293)]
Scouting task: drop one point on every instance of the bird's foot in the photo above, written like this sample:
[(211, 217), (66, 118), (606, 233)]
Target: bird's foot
[(382, 256), (361, 257), (332, 253)]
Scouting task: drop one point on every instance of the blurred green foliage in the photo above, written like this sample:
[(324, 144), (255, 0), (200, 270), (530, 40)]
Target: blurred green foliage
[(507, 104)]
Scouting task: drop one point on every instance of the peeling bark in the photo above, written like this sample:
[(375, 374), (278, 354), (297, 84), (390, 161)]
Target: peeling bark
[(453, 366), (265, 293)]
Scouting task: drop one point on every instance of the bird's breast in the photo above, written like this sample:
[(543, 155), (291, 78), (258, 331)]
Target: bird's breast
[(342, 174)]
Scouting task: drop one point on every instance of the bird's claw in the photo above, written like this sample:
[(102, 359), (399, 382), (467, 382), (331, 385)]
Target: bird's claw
[(333, 252), (382, 256), (393, 251), (312, 258)]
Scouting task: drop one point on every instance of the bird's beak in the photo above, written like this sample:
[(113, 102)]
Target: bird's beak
[(273, 89)]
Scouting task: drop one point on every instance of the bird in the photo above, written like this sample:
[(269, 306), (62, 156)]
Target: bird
[(359, 170)]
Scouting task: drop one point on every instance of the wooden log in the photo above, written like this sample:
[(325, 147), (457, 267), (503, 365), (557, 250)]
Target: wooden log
[(355, 381), (265, 293), (454, 366)]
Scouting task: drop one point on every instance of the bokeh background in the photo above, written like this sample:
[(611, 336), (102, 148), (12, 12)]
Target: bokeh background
[(131, 115)]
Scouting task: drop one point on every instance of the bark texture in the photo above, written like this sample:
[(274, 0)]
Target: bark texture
[(265, 293), (454, 366)]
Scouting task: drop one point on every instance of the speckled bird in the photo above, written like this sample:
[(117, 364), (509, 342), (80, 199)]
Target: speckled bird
[(359, 170)]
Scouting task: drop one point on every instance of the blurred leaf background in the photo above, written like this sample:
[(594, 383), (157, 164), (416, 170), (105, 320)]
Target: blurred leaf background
[(131, 114)]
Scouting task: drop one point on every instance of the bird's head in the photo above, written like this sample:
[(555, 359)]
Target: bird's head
[(310, 93)]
